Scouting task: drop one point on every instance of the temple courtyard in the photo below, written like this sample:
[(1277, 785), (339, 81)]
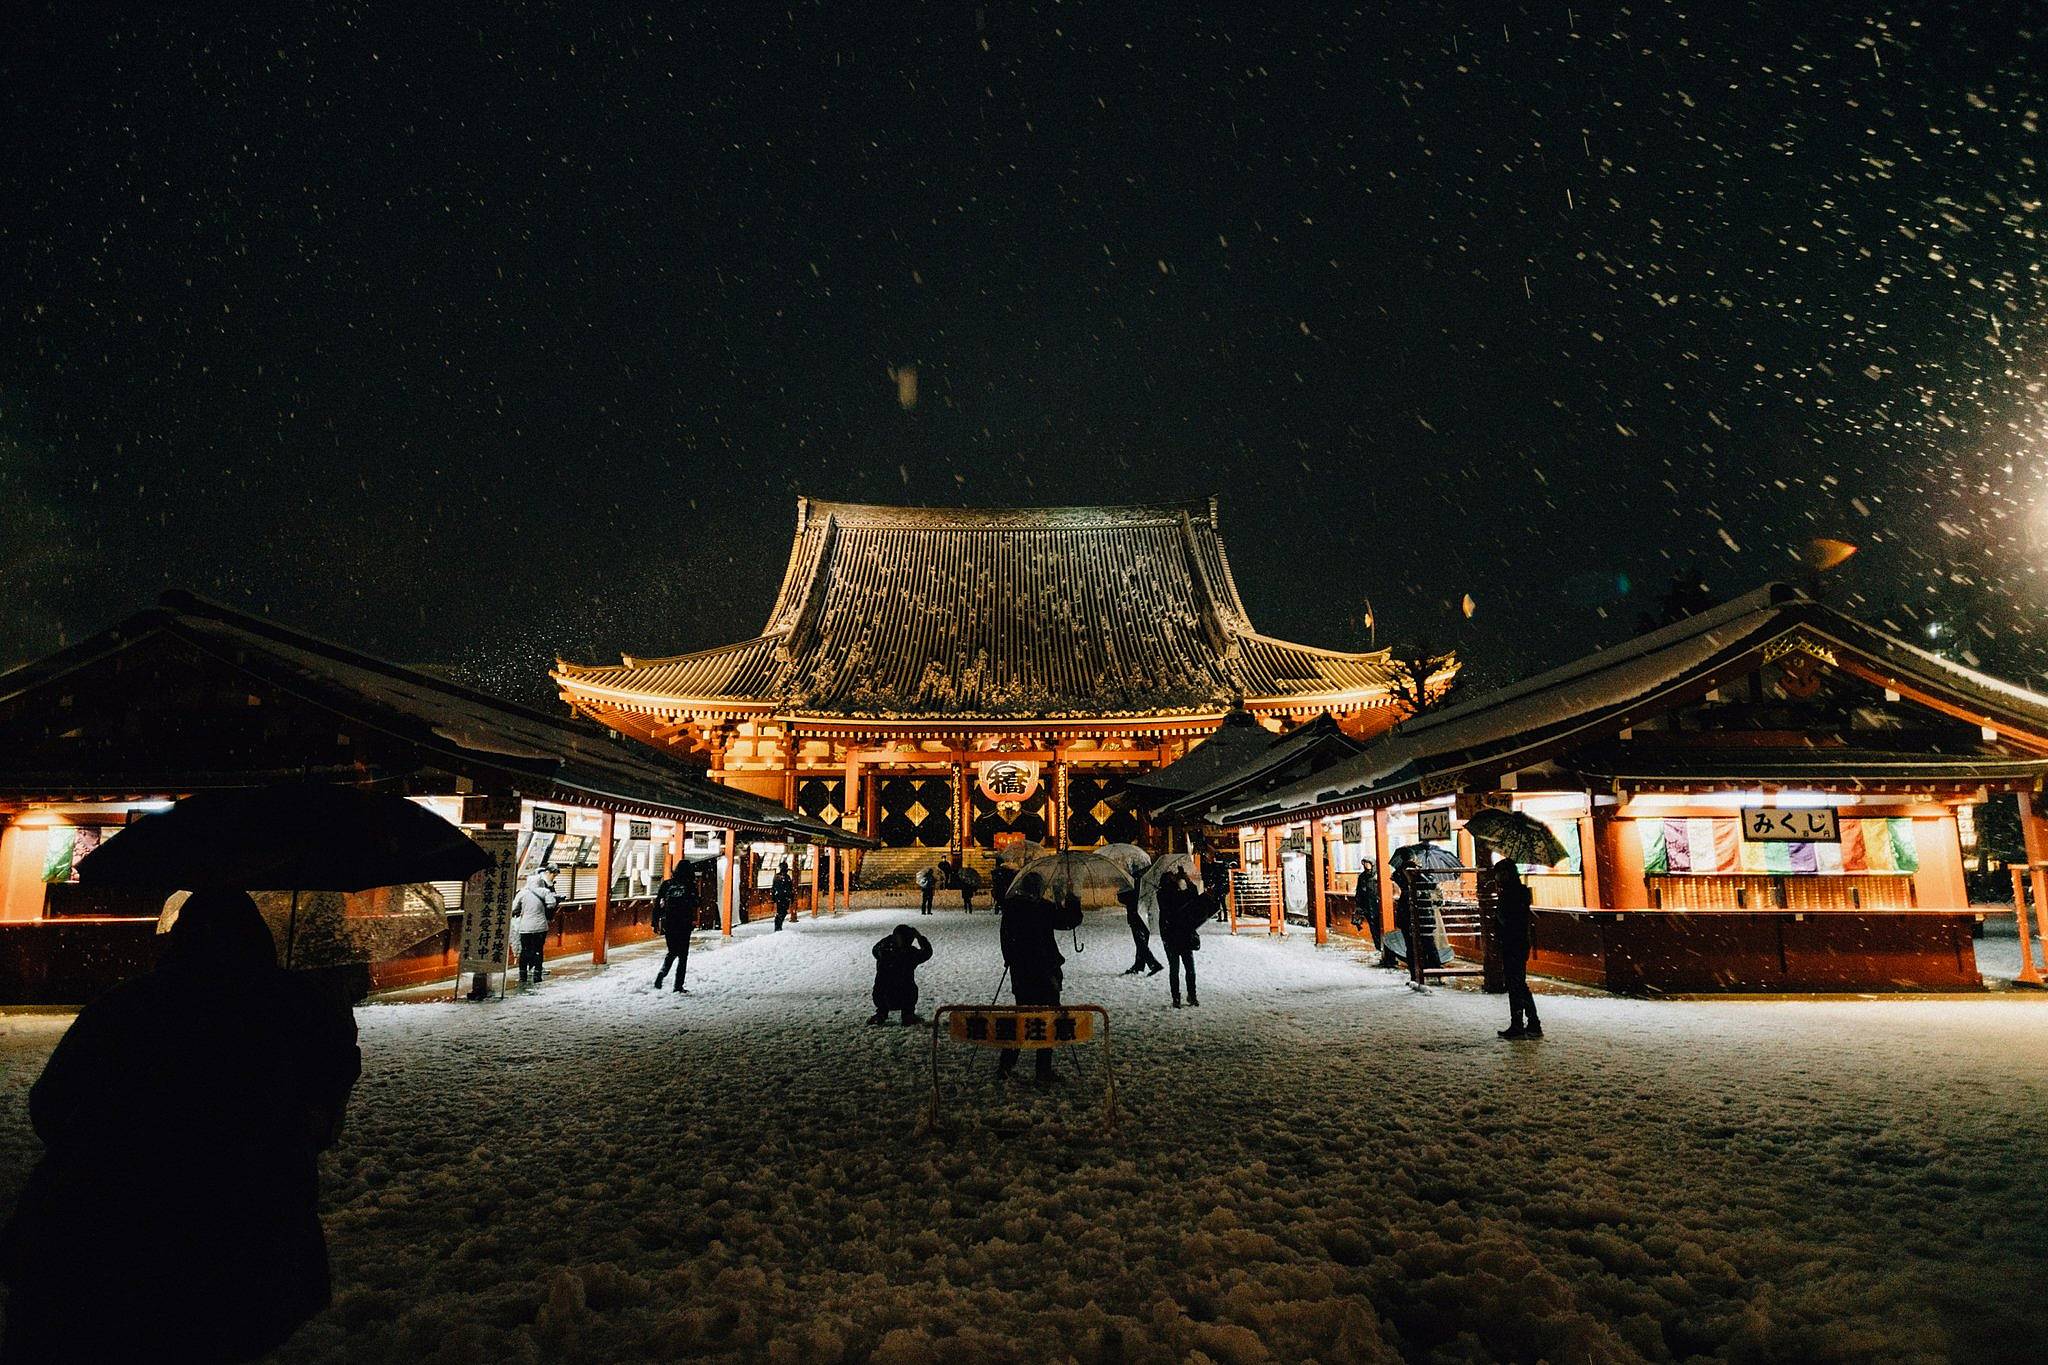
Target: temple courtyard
[(1316, 1164)]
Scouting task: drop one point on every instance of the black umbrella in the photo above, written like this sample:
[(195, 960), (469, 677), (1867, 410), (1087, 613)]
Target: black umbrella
[(1518, 837), (1428, 857), (301, 836)]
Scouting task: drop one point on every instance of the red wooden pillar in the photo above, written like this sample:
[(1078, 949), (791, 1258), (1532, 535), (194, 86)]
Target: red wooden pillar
[(1589, 861), (601, 908), (1274, 879), (731, 887), (2036, 839), (817, 857), (1317, 829), (1383, 872)]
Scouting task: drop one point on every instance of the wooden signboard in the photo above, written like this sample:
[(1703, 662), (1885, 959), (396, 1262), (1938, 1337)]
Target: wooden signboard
[(487, 905), (1797, 825), (1433, 826), (549, 820)]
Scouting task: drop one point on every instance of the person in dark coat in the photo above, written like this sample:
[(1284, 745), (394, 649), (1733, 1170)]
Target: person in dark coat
[(1365, 898), (927, 886), (897, 958), (782, 891), (1141, 935), (999, 884), (969, 882), (174, 1215), (1031, 951), (675, 916), (1182, 912), (1512, 911)]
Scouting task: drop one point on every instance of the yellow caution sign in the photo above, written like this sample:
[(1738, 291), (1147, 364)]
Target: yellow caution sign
[(1020, 1026), (1024, 1028)]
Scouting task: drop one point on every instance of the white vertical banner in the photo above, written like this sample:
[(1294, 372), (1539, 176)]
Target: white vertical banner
[(487, 904)]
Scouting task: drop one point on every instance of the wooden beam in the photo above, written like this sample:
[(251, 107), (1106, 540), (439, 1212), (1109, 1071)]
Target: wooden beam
[(2035, 836), (1589, 860), (730, 890), (817, 858), (1318, 860), (601, 908), (1383, 872), (1276, 917)]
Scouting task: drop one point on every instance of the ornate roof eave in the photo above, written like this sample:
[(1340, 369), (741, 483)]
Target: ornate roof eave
[(939, 727), (576, 691), (1342, 701)]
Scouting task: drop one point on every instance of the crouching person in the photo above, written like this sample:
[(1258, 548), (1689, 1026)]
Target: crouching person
[(897, 959)]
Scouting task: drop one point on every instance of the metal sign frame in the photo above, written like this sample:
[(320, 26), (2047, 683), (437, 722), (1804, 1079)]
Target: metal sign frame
[(1020, 1014)]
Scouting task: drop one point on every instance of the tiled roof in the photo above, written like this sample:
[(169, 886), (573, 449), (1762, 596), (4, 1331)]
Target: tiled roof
[(1044, 612), (461, 726), (1585, 700)]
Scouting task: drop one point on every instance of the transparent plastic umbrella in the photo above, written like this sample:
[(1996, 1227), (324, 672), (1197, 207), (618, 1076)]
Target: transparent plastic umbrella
[(1129, 857), (1073, 872), (1017, 854)]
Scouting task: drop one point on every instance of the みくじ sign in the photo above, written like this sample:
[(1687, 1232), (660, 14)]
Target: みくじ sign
[(1796, 825)]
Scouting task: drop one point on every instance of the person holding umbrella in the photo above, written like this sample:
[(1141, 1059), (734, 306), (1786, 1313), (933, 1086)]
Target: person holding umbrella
[(1031, 954), (1512, 909), (1141, 934), (1182, 911), (174, 1215), (969, 882), (532, 908)]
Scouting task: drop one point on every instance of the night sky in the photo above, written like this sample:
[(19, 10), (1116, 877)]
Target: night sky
[(471, 335)]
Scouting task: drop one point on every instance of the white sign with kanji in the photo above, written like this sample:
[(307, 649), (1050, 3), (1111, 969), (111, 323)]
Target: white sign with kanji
[(1799, 825), (487, 904)]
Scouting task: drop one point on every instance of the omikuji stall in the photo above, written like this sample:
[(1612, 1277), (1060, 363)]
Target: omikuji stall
[(1766, 796), (190, 696)]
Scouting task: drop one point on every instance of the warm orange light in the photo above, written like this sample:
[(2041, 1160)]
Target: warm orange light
[(1823, 554)]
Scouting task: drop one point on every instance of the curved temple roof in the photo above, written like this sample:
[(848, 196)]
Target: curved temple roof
[(1047, 612)]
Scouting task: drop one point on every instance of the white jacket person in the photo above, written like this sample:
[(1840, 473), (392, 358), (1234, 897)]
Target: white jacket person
[(530, 908)]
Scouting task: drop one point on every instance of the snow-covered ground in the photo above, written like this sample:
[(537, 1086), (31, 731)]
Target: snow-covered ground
[(1315, 1164)]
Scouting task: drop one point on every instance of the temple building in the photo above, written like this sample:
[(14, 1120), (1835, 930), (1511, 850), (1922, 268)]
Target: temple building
[(946, 678), (1770, 795)]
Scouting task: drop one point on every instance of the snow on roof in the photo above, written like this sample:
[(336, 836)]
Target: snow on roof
[(437, 715), (1045, 612), (1606, 688)]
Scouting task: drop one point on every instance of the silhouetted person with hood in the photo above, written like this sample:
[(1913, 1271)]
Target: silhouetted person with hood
[(175, 1212), (782, 891), (897, 958), (675, 917), (1182, 911), (1031, 951), (1141, 933), (1512, 910)]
